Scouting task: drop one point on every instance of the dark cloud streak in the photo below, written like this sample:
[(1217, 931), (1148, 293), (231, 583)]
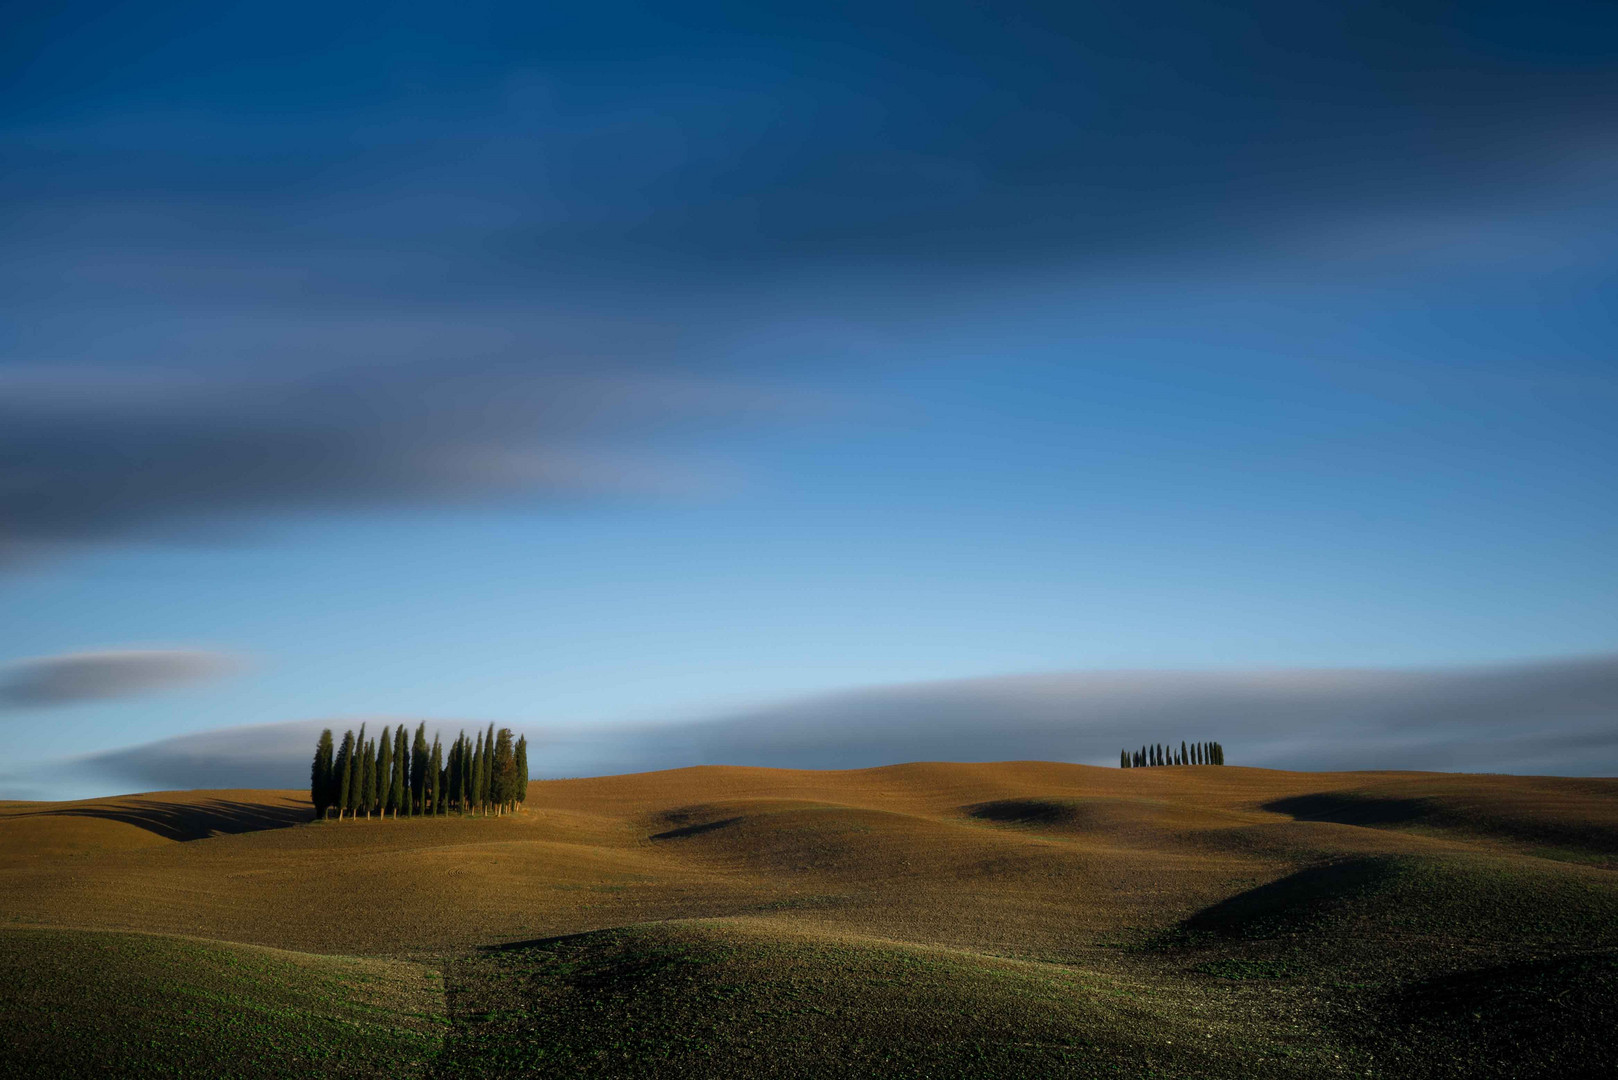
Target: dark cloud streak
[(119, 453), (93, 676), (430, 233)]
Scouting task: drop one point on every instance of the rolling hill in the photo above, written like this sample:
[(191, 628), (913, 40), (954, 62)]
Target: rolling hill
[(932, 919)]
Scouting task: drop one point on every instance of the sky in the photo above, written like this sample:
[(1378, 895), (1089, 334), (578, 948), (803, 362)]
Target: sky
[(655, 378)]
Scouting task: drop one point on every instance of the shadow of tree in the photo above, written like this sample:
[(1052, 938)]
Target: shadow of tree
[(192, 821)]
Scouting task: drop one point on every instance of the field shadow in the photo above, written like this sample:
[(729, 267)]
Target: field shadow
[(695, 830), (190, 821), (1023, 812), (1292, 902), (1563, 838), (1347, 809)]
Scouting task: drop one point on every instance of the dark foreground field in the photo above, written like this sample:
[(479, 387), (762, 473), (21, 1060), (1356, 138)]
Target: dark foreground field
[(1024, 919)]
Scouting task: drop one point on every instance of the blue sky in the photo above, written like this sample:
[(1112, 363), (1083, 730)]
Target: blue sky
[(653, 364)]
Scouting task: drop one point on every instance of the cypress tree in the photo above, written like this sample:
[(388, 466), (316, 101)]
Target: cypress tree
[(487, 791), (320, 775), (451, 759), (429, 777), (462, 780), (356, 789), (502, 772), (476, 780), (345, 772), (364, 751), (522, 769), (435, 775), (378, 747), (356, 794), (1183, 758), (452, 769), (368, 797), (401, 773), (443, 790), (418, 770)]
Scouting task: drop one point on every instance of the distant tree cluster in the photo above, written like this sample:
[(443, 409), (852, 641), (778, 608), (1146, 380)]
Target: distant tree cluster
[(390, 774), (1202, 753)]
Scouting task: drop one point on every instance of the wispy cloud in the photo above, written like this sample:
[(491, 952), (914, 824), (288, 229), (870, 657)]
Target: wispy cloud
[(1549, 717), (92, 676)]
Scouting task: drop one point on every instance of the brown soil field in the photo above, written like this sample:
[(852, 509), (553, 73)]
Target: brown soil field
[(1247, 892)]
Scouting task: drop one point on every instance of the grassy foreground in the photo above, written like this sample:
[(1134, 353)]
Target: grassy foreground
[(87, 1003), (1023, 919)]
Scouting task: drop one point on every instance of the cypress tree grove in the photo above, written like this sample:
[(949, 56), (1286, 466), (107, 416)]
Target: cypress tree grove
[(401, 773), (320, 775), (1193, 753), (488, 777), (345, 772), (418, 770), (522, 770)]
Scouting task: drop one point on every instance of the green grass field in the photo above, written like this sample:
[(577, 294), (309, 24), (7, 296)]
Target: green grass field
[(91, 1003)]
